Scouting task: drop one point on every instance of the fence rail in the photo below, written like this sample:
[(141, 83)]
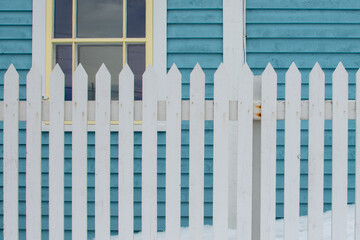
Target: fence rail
[(57, 116)]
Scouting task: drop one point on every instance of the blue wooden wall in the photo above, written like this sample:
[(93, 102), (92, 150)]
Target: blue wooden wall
[(306, 31)]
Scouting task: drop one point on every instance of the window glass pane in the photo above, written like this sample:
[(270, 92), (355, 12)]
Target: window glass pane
[(63, 55), (135, 18), (92, 56), (63, 19), (99, 19), (136, 61)]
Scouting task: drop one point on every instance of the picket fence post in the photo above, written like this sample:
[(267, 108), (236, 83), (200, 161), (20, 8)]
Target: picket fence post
[(149, 155), (316, 152), (79, 153), (245, 154), (221, 154), (292, 153), (33, 154), (268, 153), (56, 155), (102, 154), (126, 153), (196, 154), (173, 154), (357, 159), (339, 153), (11, 154)]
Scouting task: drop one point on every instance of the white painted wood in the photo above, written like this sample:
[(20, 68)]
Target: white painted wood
[(357, 161), (160, 44), (339, 153), (268, 154), (196, 154), (126, 153), (173, 154), (234, 53), (79, 153), (38, 38), (33, 154), (292, 153), (56, 154), (11, 154), (102, 154), (149, 155), (245, 153), (221, 154), (316, 152)]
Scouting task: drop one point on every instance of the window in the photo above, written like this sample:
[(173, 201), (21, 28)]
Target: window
[(92, 32)]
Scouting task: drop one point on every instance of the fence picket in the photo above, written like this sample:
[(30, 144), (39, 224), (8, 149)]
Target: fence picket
[(357, 160), (221, 154), (126, 153), (11, 154), (292, 153), (173, 154), (33, 154), (149, 155), (245, 154), (339, 153), (268, 154), (56, 155), (196, 154), (102, 154), (79, 153), (316, 152)]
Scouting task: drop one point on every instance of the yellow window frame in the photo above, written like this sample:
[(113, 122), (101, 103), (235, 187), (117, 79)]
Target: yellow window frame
[(51, 41)]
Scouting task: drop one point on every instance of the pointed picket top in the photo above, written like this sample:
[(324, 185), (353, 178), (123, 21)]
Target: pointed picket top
[(173, 73), (150, 73), (103, 74), (246, 73), (126, 73), (11, 72), (293, 73), (197, 75), (34, 73), (269, 71), (316, 73), (56, 73), (358, 75), (221, 71), (80, 72), (340, 72)]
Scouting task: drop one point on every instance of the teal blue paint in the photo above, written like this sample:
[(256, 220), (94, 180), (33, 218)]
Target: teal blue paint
[(306, 32)]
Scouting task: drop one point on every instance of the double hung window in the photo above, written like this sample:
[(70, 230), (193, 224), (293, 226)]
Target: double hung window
[(92, 32)]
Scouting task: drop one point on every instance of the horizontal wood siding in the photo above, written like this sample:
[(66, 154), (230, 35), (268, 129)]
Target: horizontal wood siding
[(306, 31), (15, 47)]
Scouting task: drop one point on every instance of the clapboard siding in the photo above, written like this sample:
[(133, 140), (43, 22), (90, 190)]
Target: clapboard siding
[(15, 47), (194, 35), (306, 32)]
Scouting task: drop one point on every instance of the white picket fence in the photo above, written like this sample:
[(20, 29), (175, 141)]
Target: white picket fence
[(51, 116)]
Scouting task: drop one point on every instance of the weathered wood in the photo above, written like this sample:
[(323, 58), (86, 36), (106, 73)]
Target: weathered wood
[(268, 154), (196, 154), (79, 153), (173, 154), (56, 154), (11, 154), (339, 153), (245, 154), (149, 155), (102, 154), (221, 155), (292, 153), (126, 154), (357, 160), (316, 152), (33, 154)]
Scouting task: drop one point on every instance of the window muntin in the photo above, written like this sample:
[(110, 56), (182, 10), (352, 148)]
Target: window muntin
[(131, 40)]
